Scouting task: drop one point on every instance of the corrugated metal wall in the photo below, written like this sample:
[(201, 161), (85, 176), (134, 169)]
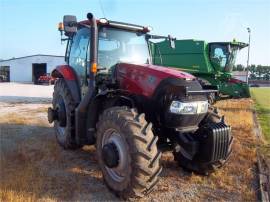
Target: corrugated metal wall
[(21, 68)]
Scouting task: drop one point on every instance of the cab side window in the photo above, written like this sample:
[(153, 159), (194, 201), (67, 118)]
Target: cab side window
[(79, 53)]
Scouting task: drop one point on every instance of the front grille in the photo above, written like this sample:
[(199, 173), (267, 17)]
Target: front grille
[(221, 141), (215, 142)]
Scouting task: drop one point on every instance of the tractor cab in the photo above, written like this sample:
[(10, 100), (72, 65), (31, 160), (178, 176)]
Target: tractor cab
[(222, 55), (116, 42)]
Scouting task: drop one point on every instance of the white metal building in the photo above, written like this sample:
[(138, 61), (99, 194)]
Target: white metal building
[(29, 68), (240, 75)]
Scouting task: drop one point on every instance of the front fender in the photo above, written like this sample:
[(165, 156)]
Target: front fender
[(69, 75)]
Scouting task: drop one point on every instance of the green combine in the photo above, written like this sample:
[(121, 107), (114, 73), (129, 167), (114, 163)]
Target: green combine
[(212, 63)]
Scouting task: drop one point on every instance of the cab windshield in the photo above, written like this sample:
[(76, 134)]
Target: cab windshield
[(117, 46), (223, 56)]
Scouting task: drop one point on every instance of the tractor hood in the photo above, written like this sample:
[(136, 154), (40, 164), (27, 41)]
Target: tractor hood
[(143, 79), (160, 72)]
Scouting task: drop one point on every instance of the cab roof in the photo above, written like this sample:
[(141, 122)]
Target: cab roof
[(120, 25), (232, 43)]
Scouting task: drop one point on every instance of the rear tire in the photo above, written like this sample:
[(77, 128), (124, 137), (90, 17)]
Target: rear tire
[(199, 167), (65, 135), (140, 164)]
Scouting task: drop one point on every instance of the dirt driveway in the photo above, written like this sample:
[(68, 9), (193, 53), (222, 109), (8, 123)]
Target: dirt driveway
[(34, 167)]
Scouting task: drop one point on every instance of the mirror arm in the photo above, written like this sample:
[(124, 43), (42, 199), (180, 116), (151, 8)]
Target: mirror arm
[(84, 25)]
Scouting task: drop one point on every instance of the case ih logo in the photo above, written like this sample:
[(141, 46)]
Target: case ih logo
[(151, 79)]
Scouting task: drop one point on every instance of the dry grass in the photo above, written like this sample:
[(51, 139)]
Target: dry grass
[(241, 168), (35, 168), (21, 183)]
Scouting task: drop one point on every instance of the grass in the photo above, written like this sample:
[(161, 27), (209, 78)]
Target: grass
[(261, 97), (240, 171)]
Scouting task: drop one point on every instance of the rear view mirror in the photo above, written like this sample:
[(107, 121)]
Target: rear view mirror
[(172, 41), (70, 25)]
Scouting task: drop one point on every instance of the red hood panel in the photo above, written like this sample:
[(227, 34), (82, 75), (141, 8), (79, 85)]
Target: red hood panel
[(143, 79), (164, 72)]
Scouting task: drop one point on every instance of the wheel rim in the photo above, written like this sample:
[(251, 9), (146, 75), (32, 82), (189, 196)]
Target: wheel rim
[(119, 172), (60, 129)]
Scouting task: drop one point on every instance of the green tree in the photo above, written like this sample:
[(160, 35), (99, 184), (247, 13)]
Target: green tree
[(256, 72), (238, 67)]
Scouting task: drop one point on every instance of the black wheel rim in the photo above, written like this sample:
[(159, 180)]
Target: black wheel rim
[(60, 127)]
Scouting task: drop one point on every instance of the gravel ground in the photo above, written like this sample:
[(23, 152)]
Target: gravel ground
[(34, 167)]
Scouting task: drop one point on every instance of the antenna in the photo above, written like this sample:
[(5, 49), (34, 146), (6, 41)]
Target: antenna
[(102, 9)]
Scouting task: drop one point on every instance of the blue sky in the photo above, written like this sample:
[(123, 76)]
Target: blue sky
[(30, 26)]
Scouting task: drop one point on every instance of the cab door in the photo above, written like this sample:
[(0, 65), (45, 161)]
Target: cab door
[(79, 55)]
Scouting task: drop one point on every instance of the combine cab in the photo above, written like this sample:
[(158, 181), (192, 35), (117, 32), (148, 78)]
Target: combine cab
[(212, 63), (109, 94)]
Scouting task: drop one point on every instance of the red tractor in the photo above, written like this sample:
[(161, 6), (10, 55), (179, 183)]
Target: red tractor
[(109, 94), (46, 79)]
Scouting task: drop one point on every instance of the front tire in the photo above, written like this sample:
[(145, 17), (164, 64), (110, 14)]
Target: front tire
[(127, 152), (211, 97)]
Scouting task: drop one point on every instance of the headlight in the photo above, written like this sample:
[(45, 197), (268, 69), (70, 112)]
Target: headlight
[(199, 107)]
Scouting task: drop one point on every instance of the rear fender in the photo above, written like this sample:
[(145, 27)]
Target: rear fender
[(69, 75)]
